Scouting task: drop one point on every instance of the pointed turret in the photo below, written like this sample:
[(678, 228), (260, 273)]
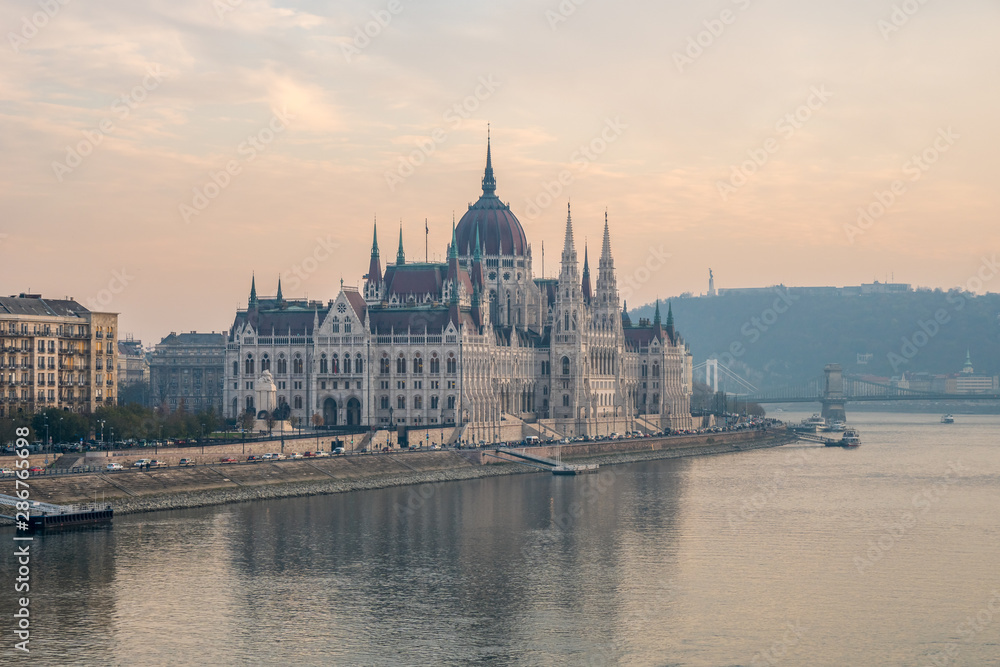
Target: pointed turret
[(626, 320), (374, 276), (656, 314), (280, 298), (253, 292), (670, 315), (587, 294), (453, 268), (489, 182), (606, 294), (400, 256), (478, 277), (967, 367)]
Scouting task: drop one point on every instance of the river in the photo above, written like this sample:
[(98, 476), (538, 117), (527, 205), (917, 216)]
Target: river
[(798, 555)]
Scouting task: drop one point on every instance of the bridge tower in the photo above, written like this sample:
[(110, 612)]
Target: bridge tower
[(712, 374), (833, 394)]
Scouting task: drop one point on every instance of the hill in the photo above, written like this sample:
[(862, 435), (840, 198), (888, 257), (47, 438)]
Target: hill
[(785, 335)]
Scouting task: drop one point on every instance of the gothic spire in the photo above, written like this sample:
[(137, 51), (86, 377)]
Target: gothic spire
[(656, 314), (587, 294), (374, 266), (253, 291), (489, 182), (670, 315), (279, 288), (400, 257)]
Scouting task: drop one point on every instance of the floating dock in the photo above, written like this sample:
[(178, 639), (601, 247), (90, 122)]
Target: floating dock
[(42, 516)]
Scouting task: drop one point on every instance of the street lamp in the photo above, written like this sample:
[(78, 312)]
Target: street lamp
[(202, 438), (101, 422)]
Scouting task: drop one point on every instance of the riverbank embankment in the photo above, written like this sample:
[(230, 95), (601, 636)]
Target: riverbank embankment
[(132, 491)]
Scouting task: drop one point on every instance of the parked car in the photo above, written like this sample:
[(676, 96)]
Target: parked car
[(186, 462), (113, 466), (295, 455), (157, 464), (141, 463), (338, 450), (253, 458), (310, 455), (6, 471), (36, 469), (322, 455), (229, 460)]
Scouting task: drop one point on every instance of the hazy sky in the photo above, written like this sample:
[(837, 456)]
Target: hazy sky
[(738, 135)]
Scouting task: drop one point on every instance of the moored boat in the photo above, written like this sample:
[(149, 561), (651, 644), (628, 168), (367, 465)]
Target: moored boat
[(947, 419)]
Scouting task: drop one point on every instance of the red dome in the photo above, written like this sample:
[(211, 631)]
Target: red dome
[(500, 233)]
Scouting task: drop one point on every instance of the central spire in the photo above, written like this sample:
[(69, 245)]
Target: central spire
[(489, 182)]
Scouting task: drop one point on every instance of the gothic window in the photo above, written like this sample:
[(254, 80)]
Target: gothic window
[(451, 402), (358, 364), (452, 364), (645, 370), (401, 365), (565, 400), (656, 370), (565, 365), (383, 365), (401, 402), (282, 365), (297, 365), (341, 308), (335, 364), (249, 364), (418, 365), (384, 403), (566, 321), (347, 363), (236, 368), (418, 402), (335, 325), (324, 364), (298, 402), (347, 327), (265, 363), (435, 364), (249, 404), (434, 402)]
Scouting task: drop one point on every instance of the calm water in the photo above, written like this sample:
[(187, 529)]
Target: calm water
[(795, 555)]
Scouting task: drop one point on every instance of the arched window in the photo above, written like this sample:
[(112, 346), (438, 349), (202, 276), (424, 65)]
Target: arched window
[(451, 402), (249, 364), (565, 400), (335, 324), (249, 404), (236, 368), (265, 363), (566, 321), (335, 364), (656, 369), (324, 364), (418, 365), (297, 365), (418, 402), (282, 365), (565, 365), (400, 402), (401, 365), (347, 363), (359, 365), (297, 402), (383, 365), (434, 402)]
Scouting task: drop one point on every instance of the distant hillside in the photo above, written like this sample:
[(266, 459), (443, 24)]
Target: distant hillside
[(785, 336)]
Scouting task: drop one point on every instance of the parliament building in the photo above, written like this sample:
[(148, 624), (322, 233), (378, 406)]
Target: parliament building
[(477, 344)]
